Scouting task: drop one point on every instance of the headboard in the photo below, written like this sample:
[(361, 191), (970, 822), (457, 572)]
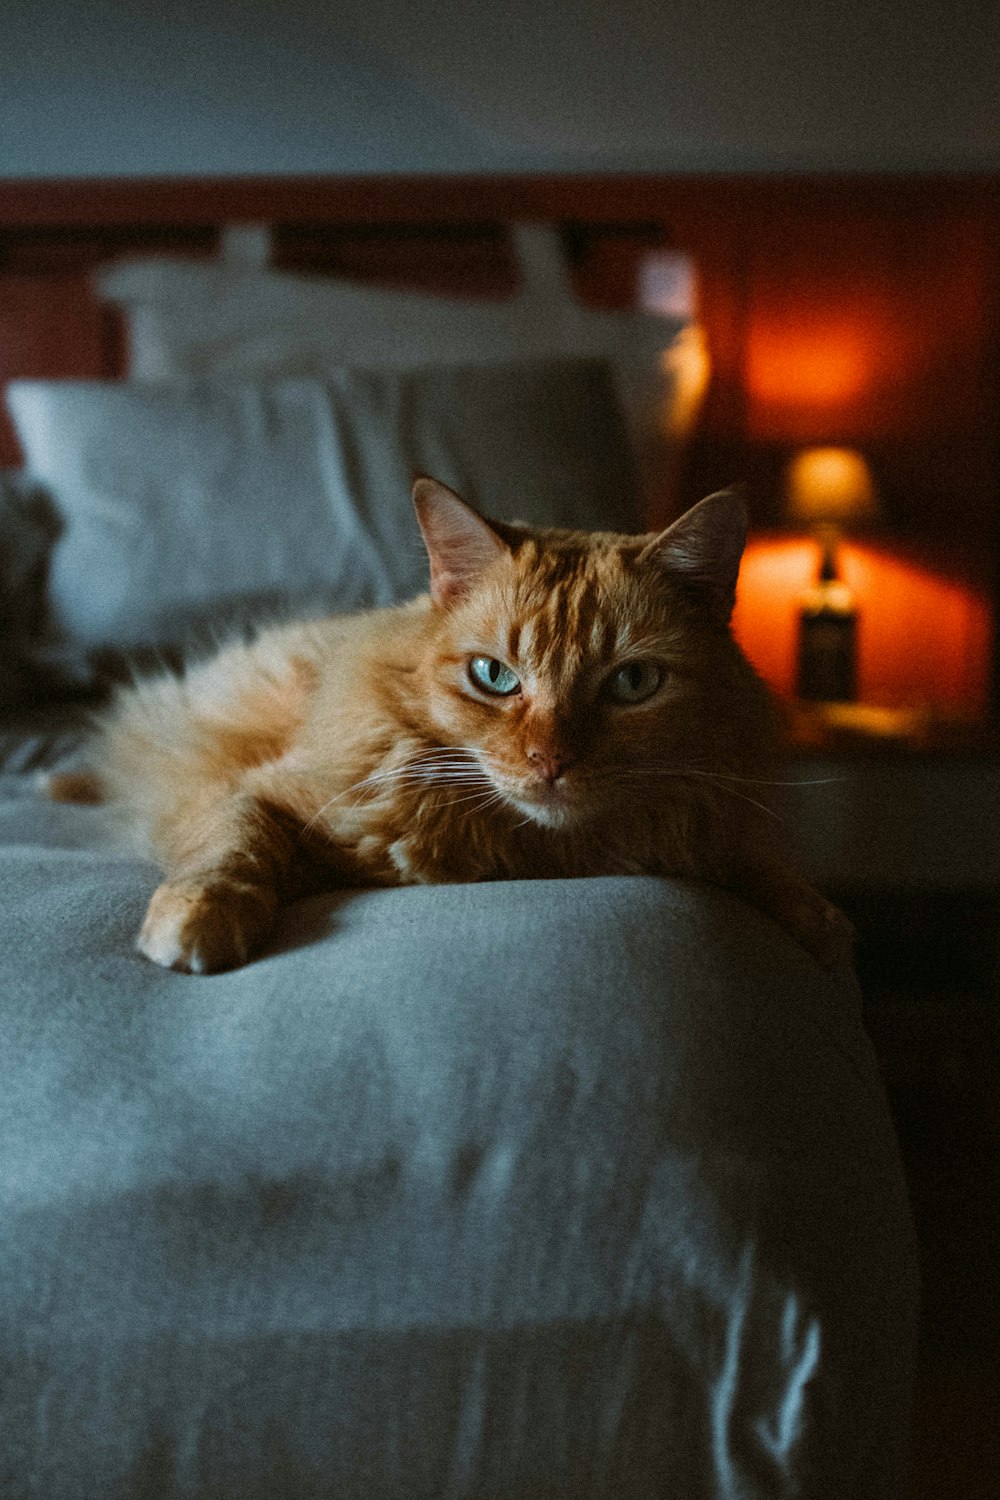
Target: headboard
[(914, 260), (447, 235), (899, 275)]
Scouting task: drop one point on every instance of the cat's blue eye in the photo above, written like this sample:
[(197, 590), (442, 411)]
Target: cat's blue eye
[(634, 683), (493, 676)]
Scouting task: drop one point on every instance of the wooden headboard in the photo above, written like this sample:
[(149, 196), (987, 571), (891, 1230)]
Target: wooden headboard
[(445, 235), (890, 284), (913, 263)]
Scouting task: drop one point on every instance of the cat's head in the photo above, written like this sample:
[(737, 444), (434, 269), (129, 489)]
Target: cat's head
[(582, 667)]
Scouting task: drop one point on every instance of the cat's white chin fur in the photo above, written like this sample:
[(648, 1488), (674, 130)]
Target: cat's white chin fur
[(548, 814)]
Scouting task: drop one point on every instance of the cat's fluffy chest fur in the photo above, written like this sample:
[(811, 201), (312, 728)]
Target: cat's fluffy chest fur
[(559, 705)]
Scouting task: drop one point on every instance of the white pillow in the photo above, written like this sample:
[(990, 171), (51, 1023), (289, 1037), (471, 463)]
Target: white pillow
[(210, 319), (184, 505)]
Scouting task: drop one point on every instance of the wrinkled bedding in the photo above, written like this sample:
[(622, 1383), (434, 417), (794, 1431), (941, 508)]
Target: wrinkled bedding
[(536, 1189), (38, 741)]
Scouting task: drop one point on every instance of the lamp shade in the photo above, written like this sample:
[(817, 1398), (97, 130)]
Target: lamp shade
[(830, 486)]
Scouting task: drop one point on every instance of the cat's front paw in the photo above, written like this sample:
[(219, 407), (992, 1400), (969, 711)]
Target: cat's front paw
[(804, 913), (821, 928), (205, 928)]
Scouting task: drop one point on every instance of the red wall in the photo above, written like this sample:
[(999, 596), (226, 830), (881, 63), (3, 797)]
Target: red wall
[(924, 639)]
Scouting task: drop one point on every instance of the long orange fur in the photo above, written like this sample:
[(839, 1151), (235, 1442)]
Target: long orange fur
[(360, 750)]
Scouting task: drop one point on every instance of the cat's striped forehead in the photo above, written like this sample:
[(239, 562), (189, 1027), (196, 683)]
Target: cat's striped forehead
[(570, 605)]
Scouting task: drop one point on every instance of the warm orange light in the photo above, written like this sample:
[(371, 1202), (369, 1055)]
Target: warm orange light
[(688, 364), (830, 485), (824, 367), (814, 366), (923, 639)]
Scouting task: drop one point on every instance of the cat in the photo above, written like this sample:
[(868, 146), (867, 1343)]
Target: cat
[(560, 703)]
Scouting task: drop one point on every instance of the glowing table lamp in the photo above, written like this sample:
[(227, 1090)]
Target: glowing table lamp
[(829, 489)]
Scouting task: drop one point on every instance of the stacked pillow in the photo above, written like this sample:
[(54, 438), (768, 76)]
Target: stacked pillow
[(259, 459), (185, 507), (232, 318), (33, 666)]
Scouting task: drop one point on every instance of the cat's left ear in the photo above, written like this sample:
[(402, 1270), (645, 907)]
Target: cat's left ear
[(459, 542), (704, 547)]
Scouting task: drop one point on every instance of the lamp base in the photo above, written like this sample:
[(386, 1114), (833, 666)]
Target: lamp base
[(827, 661)]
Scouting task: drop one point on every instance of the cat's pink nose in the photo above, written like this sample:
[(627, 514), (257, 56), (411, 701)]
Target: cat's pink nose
[(548, 763)]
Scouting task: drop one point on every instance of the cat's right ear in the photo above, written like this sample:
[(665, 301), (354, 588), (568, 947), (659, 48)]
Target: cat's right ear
[(705, 546), (460, 544)]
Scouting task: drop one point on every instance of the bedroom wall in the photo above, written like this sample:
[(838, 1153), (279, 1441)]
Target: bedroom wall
[(124, 87)]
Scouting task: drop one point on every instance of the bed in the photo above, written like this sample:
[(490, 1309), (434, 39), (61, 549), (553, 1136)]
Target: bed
[(563, 1188)]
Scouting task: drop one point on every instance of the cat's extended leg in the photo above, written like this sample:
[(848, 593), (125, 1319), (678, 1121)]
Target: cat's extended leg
[(218, 905), (800, 909)]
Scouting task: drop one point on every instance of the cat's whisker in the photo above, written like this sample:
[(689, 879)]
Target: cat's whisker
[(416, 770), (639, 773), (752, 800), (420, 771), (310, 825), (654, 770), (475, 789), (431, 769), (451, 778), (483, 800), (434, 750), (461, 766), (430, 774), (764, 780), (339, 797), (426, 774)]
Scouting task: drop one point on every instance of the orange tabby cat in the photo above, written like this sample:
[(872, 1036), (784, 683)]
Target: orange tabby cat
[(561, 703)]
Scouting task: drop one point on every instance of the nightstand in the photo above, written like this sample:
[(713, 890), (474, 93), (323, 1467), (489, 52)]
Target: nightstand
[(907, 841)]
